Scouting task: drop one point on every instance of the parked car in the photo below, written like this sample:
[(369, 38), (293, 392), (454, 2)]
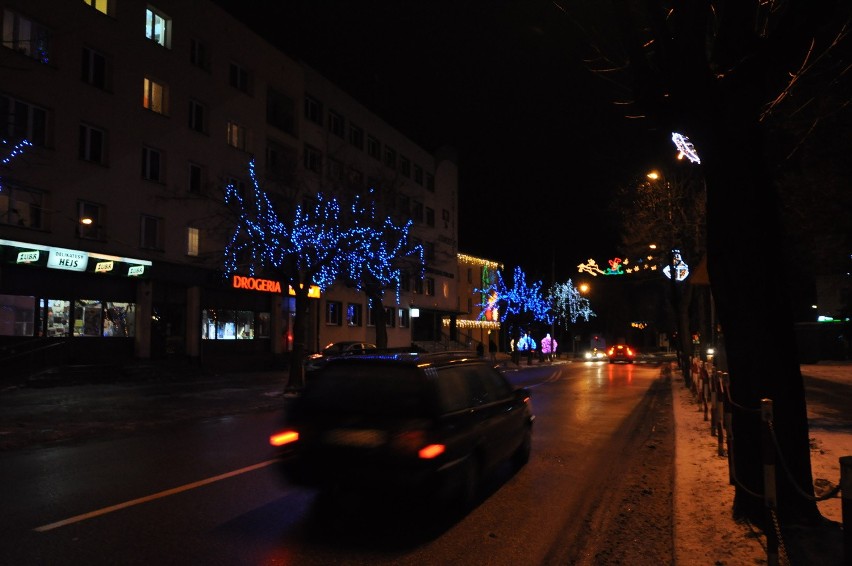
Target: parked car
[(621, 353), (347, 348), (429, 425)]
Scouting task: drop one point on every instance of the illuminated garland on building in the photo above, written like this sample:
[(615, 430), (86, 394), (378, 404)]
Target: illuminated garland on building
[(469, 259)]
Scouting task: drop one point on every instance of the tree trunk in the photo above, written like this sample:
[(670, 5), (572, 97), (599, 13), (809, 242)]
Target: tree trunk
[(380, 320), (296, 379), (744, 238)]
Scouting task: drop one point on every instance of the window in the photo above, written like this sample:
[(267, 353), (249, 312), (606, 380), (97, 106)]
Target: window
[(418, 174), (236, 136), (313, 159), (430, 182), (151, 164), (313, 109), (17, 315), (154, 96), (356, 179), (196, 178), (336, 123), (88, 317), (222, 324), (405, 166), (92, 144), (197, 117), (58, 318), (150, 232), (445, 216), (404, 321), (335, 169), (374, 148), (90, 218), (404, 205), (198, 55), (404, 281), (20, 120), (418, 286), (238, 184), (356, 136), (26, 36), (430, 217), (119, 320), (192, 241), (21, 207), (333, 313), (354, 314), (280, 111), (101, 6), (430, 286), (390, 157), (158, 27), (429, 250), (94, 68), (417, 212), (390, 317), (238, 77), (281, 161)]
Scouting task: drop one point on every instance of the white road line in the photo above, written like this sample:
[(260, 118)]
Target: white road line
[(152, 497)]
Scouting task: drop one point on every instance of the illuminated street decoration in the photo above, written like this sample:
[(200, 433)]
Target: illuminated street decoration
[(681, 269), (685, 148), (590, 267), (615, 267)]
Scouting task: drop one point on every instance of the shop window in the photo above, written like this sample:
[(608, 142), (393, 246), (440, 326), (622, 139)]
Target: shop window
[(21, 207), (88, 317), (17, 315), (58, 318), (158, 27), (354, 314), (264, 325), (333, 312), (120, 320), (221, 324)]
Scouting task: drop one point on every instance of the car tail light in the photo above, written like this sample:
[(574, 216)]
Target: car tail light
[(416, 441), (284, 437), (630, 352), (611, 351)]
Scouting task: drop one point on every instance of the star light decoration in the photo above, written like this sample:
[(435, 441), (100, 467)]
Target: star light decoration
[(685, 148), (618, 266)]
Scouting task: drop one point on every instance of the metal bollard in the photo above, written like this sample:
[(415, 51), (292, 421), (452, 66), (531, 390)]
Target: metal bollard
[(846, 505), (770, 499)]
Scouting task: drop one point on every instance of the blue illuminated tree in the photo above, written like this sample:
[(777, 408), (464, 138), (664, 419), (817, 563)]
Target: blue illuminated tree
[(303, 249), (377, 255), (521, 300), (567, 304)]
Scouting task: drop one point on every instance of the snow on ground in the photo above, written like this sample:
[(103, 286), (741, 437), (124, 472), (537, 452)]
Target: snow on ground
[(705, 531)]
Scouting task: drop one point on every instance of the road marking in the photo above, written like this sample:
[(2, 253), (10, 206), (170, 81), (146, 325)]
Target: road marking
[(152, 497)]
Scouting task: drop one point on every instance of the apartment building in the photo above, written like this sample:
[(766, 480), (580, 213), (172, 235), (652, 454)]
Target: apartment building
[(112, 224)]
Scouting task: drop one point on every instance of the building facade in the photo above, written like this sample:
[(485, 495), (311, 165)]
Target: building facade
[(113, 224)]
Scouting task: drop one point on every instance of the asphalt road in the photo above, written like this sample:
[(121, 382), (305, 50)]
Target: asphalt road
[(206, 493)]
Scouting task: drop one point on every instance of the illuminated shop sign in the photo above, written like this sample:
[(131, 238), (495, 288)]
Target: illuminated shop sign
[(24, 253), (268, 286)]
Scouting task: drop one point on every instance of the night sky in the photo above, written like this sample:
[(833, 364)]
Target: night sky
[(542, 146)]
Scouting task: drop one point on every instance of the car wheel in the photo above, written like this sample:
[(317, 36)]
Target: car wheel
[(522, 454)]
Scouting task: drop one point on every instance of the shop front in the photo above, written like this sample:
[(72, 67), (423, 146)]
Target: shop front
[(66, 306)]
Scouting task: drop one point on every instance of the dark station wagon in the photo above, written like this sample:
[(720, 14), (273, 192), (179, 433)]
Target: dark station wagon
[(405, 423)]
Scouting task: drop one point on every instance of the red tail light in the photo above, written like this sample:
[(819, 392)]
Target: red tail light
[(415, 441), (611, 351), (431, 451), (284, 437)]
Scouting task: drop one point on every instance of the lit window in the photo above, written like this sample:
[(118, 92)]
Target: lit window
[(192, 241), (88, 317), (158, 27), (151, 164), (221, 324), (26, 36), (354, 314), (154, 96), (404, 318), (236, 136), (92, 144), (99, 5), (119, 320), (333, 313), (150, 233)]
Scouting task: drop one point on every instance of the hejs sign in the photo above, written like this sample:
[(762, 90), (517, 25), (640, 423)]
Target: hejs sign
[(64, 259)]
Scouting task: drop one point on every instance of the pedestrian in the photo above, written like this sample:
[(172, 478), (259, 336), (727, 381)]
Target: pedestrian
[(492, 349), (546, 347), (553, 354)]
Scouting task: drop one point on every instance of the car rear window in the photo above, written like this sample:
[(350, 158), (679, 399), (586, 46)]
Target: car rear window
[(378, 389)]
